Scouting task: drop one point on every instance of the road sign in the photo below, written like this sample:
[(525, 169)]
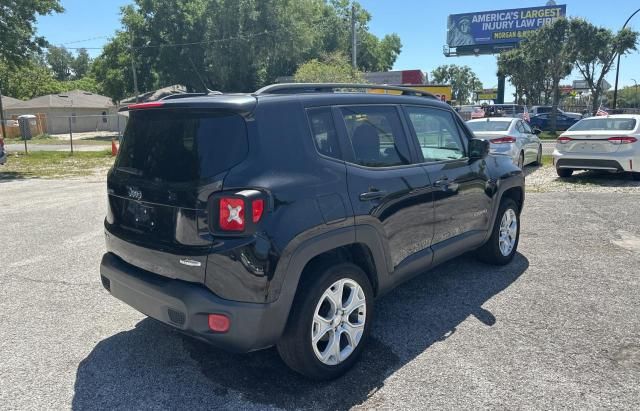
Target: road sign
[(584, 85)]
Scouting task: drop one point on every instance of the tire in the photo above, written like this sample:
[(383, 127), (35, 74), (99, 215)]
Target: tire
[(313, 303), (492, 252), (564, 172), (521, 160), (539, 157)]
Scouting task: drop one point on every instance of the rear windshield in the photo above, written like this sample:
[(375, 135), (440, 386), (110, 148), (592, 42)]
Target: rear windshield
[(489, 125), (604, 123), (179, 145)]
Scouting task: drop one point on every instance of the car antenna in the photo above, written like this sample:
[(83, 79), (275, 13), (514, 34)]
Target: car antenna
[(204, 86)]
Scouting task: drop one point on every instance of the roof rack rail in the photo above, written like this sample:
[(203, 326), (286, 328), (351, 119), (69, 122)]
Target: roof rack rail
[(301, 88), (185, 95)]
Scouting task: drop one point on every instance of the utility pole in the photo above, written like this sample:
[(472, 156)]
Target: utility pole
[(354, 39), (615, 88), (4, 129), (133, 69)]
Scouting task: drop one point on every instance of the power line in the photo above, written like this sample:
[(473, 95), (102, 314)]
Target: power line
[(85, 40)]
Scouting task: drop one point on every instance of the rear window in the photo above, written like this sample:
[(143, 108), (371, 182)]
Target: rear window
[(179, 145), (604, 123), (489, 125)]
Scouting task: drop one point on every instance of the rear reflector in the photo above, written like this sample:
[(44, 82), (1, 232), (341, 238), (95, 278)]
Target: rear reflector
[(257, 207), (503, 140), (622, 140), (564, 140), (152, 104), (219, 323), (231, 214)]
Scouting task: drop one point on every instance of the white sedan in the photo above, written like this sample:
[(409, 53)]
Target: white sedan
[(609, 143), (509, 136)]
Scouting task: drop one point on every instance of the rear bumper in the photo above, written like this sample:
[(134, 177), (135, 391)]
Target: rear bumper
[(186, 306), (616, 162)]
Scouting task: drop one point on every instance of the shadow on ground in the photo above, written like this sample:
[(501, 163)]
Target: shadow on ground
[(601, 178), (6, 176), (153, 366)]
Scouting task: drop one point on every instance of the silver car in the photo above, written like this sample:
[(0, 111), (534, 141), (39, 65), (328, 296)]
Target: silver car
[(510, 136)]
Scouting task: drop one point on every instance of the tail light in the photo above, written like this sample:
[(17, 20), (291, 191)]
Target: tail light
[(236, 213), (563, 140), (257, 207), (219, 323), (622, 140), (151, 104), (503, 140), (231, 214)]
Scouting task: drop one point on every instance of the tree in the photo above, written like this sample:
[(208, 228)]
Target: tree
[(60, 61), (112, 70), (462, 79), (28, 80), (627, 97), (230, 45), (33, 78), (81, 64), (17, 31), (528, 75), (549, 45), (594, 50), (334, 68)]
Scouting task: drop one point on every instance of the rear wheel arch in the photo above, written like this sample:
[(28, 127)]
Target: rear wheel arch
[(516, 194), (357, 253)]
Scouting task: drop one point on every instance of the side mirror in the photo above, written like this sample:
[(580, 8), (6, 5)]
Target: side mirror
[(478, 149), (537, 131)]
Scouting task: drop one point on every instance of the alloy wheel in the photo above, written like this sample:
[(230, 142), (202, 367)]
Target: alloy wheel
[(508, 232), (338, 321)]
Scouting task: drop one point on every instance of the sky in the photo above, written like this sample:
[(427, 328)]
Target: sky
[(421, 25)]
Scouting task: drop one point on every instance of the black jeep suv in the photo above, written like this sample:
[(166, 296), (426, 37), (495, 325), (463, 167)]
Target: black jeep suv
[(276, 218)]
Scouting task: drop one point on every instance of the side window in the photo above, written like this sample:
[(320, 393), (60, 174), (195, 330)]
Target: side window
[(527, 129), (520, 127), (324, 132), (437, 133), (376, 136)]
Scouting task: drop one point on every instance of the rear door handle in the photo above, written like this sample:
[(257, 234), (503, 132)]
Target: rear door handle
[(372, 195)]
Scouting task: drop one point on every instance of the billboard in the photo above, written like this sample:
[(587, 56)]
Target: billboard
[(487, 94), (499, 26), (442, 92)]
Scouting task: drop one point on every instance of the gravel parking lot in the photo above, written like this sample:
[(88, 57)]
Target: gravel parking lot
[(558, 328)]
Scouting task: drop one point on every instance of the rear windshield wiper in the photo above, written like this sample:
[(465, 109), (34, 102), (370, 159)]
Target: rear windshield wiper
[(130, 170)]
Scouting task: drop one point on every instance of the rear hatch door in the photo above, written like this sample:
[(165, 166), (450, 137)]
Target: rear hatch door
[(169, 163)]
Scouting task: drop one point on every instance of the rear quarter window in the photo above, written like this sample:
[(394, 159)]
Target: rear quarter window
[(182, 145)]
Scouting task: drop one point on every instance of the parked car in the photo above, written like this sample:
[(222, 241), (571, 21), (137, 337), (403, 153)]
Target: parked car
[(535, 110), (471, 112), (508, 110), (600, 143), (3, 153), (276, 218), (543, 122), (510, 136)]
